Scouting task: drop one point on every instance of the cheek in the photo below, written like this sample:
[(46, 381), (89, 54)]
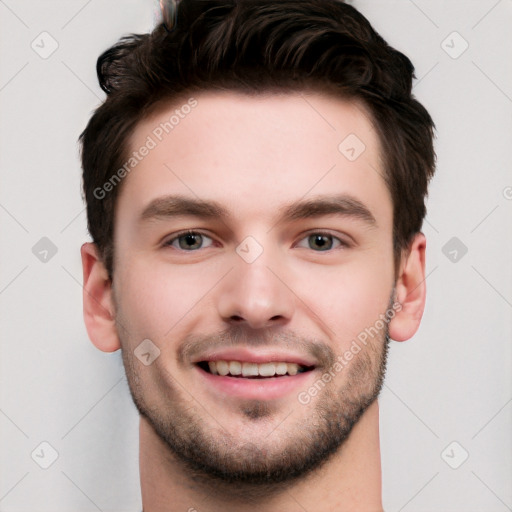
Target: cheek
[(348, 300), (157, 299)]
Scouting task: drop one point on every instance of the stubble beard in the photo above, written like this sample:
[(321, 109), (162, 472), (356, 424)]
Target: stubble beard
[(222, 463)]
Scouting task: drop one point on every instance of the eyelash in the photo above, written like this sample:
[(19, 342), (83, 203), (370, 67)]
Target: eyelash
[(169, 242), (342, 243)]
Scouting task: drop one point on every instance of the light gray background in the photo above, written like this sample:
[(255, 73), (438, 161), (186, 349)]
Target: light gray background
[(451, 382)]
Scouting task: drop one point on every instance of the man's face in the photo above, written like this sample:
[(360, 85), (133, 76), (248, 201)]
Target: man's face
[(289, 258)]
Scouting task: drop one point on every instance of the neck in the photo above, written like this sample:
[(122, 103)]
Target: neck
[(350, 481)]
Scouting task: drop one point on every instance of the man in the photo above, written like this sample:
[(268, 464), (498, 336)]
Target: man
[(255, 184)]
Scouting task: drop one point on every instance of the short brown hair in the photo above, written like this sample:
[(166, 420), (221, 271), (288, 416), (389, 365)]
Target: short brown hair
[(257, 46)]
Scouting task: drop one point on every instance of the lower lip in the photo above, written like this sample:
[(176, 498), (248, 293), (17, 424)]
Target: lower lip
[(268, 388)]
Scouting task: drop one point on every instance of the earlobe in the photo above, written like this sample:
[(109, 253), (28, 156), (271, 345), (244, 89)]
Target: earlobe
[(410, 291), (98, 305)]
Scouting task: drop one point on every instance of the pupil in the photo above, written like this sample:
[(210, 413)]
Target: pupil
[(189, 241), (321, 241)]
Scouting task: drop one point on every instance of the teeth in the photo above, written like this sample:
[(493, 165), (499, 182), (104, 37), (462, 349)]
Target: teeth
[(293, 369), (248, 369), (222, 367), (281, 368), (213, 367), (252, 369), (235, 368), (267, 369)]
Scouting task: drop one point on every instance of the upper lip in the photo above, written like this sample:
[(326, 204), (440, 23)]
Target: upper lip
[(246, 355)]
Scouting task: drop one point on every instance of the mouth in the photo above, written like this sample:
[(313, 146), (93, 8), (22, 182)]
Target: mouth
[(249, 380), (250, 370)]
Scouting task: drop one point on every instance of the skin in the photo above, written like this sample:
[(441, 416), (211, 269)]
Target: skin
[(288, 151)]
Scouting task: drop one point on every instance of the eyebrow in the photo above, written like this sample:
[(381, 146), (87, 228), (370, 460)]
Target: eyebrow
[(341, 205), (174, 206)]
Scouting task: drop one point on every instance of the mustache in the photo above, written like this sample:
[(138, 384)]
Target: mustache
[(195, 345)]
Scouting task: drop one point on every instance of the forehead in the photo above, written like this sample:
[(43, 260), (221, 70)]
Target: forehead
[(255, 153)]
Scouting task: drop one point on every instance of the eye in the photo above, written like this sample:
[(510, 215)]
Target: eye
[(321, 242), (189, 241)]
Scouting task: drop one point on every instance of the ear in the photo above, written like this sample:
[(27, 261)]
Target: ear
[(410, 291), (98, 304)]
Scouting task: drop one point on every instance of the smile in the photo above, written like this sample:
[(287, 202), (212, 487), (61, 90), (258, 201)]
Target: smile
[(250, 370), (250, 380)]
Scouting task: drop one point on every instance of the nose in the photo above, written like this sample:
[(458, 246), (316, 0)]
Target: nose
[(256, 294)]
